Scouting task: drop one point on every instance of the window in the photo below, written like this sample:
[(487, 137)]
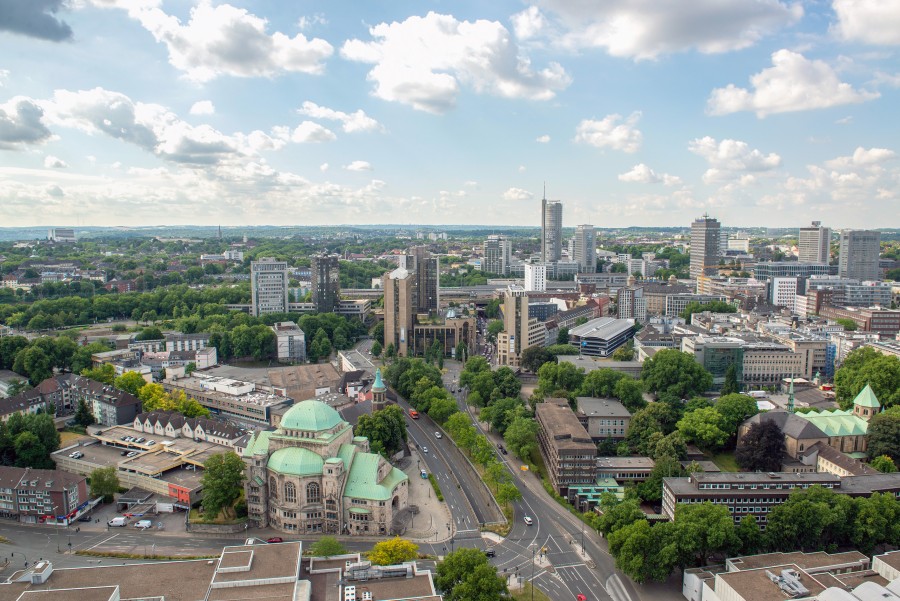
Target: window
[(313, 493), (273, 488), (290, 493)]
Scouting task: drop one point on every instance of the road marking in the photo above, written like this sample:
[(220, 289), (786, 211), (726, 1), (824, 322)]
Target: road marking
[(569, 565), (103, 541)]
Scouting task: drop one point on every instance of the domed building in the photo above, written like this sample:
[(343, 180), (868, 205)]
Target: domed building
[(313, 475)]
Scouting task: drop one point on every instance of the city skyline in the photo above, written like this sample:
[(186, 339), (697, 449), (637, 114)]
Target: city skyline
[(156, 112)]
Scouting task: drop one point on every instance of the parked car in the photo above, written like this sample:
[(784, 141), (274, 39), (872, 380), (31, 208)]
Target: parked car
[(86, 518), (275, 539), (123, 453), (423, 474)]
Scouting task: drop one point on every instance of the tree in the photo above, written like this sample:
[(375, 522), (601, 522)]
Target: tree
[(501, 413), (666, 467), (705, 427), (631, 393), (562, 336), (376, 352), (762, 448), (812, 518), (617, 514), (442, 408), (385, 429), (674, 372), (750, 535), (883, 435), (703, 529), (601, 382), (712, 307), (17, 387), (562, 349), (655, 417), (327, 546), (149, 333), (644, 552), (466, 575), (624, 352), (104, 483), (849, 324), (131, 382), (735, 409), (866, 366), (730, 386), (521, 437), (534, 357), (30, 452), (223, 477), (34, 362), (105, 373), (83, 415), (394, 551), (507, 493), (494, 327), (559, 378), (884, 464)]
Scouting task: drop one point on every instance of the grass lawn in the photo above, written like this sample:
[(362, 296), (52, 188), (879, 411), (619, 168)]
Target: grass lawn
[(524, 594), (726, 462), (67, 438)]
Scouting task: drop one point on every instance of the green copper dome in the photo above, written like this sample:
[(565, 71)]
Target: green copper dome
[(294, 461), (378, 386), (310, 415)]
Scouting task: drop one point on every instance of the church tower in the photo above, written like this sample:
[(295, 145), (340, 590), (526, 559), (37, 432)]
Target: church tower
[(379, 399), (866, 405)]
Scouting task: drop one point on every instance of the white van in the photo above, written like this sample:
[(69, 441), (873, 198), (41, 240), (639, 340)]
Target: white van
[(118, 521), (144, 524)]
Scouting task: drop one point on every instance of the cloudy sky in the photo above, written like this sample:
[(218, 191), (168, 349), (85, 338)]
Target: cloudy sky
[(633, 112)]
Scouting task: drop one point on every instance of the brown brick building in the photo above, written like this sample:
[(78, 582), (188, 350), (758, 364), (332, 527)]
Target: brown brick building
[(569, 453), (38, 496)]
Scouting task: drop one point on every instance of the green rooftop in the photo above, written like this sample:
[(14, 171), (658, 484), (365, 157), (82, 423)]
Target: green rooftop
[(310, 415), (837, 422), (362, 481), (295, 461), (867, 398), (259, 443)]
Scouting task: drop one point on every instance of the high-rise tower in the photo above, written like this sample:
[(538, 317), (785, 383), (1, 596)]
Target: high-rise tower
[(705, 233), (586, 248), (551, 230), (814, 243), (859, 254), (497, 255), (268, 286), (326, 282)]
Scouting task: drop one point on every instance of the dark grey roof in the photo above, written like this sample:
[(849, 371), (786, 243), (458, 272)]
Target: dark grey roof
[(594, 407), (792, 425)]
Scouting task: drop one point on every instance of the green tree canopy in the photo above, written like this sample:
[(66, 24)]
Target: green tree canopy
[(104, 483), (676, 373), (393, 551), (223, 477), (131, 382), (327, 546), (712, 306), (521, 437), (385, 429), (865, 366), (884, 464), (466, 575), (883, 435)]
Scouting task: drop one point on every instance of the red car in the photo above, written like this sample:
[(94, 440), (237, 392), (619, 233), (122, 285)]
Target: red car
[(275, 539), (580, 598)]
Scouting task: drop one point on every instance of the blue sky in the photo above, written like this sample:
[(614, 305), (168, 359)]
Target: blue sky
[(634, 112)]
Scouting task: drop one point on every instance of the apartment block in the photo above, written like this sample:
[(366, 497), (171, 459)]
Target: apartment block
[(567, 448)]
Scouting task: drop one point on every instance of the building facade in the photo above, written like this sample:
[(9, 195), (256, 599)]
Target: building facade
[(569, 453), (585, 248), (535, 277), (290, 341), (326, 282), (814, 244), (602, 336), (41, 496), (312, 475), (399, 290), (705, 243), (520, 330), (551, 230), (497, 255), (268, 287), (859, 254)]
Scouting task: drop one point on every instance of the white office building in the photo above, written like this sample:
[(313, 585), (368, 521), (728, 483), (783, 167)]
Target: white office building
[(268, 286), (814, 244), (535, 278)]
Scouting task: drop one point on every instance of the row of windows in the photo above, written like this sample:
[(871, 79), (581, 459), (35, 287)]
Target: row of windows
[(779, 486)]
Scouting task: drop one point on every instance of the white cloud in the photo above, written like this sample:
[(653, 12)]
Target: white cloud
[(310, 132), (350, 122), (543, 139), (21, 123), (323, 167), (862, 157), (868, 21), (517, 194), (358, 166), (845, 120), (646, 29), (203, 107), (424, 61), (4, 75), (529, 23), (611, 131), (793, 83), (56, 191), (732, 161), (52, 162), (522, 169), (226, 40), (642, 174)]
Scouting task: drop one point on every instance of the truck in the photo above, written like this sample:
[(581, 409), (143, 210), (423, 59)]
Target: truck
[(414, 414), (144, 524), (117, 521)]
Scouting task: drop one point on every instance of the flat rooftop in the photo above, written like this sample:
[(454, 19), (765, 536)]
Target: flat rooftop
[(562, 425), (808, 561), (601, 407), (602, 327), (754, 585), (625, 463)]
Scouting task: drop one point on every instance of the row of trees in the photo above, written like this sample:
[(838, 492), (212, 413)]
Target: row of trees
[(565, 380), (37, 359), (813, 519), (866, 366)]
